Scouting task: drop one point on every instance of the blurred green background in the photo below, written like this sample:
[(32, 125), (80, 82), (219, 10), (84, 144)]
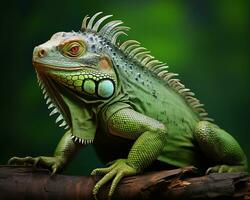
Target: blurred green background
[(206, 42)]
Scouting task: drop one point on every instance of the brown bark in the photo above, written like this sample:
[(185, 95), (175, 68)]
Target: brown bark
[(20, 182)]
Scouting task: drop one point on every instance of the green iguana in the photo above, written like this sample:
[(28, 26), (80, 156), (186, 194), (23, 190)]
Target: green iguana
[(120, 98)]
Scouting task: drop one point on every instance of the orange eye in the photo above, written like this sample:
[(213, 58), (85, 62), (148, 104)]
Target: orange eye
[(73, 49)]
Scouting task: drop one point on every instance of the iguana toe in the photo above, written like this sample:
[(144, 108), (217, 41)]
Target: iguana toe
[(116, 171), (226, 169), (22, 161), (53, 163)]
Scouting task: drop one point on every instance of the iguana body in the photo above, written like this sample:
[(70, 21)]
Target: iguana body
[(127, 104)]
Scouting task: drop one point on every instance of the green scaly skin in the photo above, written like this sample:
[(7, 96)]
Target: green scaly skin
[(128, 105)]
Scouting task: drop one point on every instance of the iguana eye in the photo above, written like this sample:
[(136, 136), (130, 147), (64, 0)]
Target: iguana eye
[(73, 49)]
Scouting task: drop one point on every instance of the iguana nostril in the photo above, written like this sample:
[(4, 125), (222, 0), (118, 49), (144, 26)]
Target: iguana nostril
[(41, 53)]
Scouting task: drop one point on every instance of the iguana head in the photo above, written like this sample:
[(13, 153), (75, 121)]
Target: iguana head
[(71, 60), (75, 71)]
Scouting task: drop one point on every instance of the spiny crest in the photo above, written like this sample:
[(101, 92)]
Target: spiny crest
[(111, 30), (140, 54), (52, 105), (81, 141), (134, 51)]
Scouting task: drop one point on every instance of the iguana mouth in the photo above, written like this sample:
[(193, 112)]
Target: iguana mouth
[(43, 67)]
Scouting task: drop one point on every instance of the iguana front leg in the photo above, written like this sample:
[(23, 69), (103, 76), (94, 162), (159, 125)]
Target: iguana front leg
[(64, 151), (150, 136)]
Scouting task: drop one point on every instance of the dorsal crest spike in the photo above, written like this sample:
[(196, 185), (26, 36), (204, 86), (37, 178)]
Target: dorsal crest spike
[(119, 28), (130, 48), (84, 23), (147, 60), (163, 73), (90, 24), (141, 54), (160, 69), (98, 23), (155, 63), (127, 43), (136, 50), (107, 29), (116, 35)]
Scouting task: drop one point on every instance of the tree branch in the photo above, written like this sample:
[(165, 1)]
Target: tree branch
[(24, 182)]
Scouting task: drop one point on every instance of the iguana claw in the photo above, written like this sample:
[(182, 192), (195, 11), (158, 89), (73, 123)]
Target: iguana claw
[(116, 171)]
